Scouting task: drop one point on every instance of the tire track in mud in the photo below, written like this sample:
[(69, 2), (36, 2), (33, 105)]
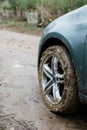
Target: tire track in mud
[(8, 122)]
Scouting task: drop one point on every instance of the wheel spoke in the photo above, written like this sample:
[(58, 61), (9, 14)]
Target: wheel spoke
[(58, 97), (61, 82), (48, 90), (54, 65), (53, 79), (56, 93), (48, 85), (47, 71), (60, 76)]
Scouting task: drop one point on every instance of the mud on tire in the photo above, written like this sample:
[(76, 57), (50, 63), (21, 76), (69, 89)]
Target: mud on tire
[(57, 80)]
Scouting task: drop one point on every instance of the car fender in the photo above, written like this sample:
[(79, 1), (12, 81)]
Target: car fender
[(75, 45), (71, 30)]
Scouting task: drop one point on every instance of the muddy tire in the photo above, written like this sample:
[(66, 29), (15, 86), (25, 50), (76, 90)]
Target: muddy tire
[(57, 80)]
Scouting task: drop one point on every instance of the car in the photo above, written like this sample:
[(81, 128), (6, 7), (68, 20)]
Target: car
[(62, 62)]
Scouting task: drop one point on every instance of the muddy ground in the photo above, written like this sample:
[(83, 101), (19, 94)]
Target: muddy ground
[(21, 105)]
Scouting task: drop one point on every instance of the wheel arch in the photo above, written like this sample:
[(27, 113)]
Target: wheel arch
[(55, 41), (62, 40)]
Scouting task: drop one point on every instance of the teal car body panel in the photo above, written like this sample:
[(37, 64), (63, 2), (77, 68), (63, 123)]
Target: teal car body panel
[(71, 30)]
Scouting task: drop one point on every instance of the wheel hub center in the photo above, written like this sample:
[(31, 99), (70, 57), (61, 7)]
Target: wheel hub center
[(55, 79)]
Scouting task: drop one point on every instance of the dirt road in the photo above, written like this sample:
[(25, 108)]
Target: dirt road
[(21, 106)]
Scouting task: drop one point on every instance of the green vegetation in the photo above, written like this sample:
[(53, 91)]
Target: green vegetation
[(23, 4), (6, 5), (51, 5), (47, 9), (79, 3)]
